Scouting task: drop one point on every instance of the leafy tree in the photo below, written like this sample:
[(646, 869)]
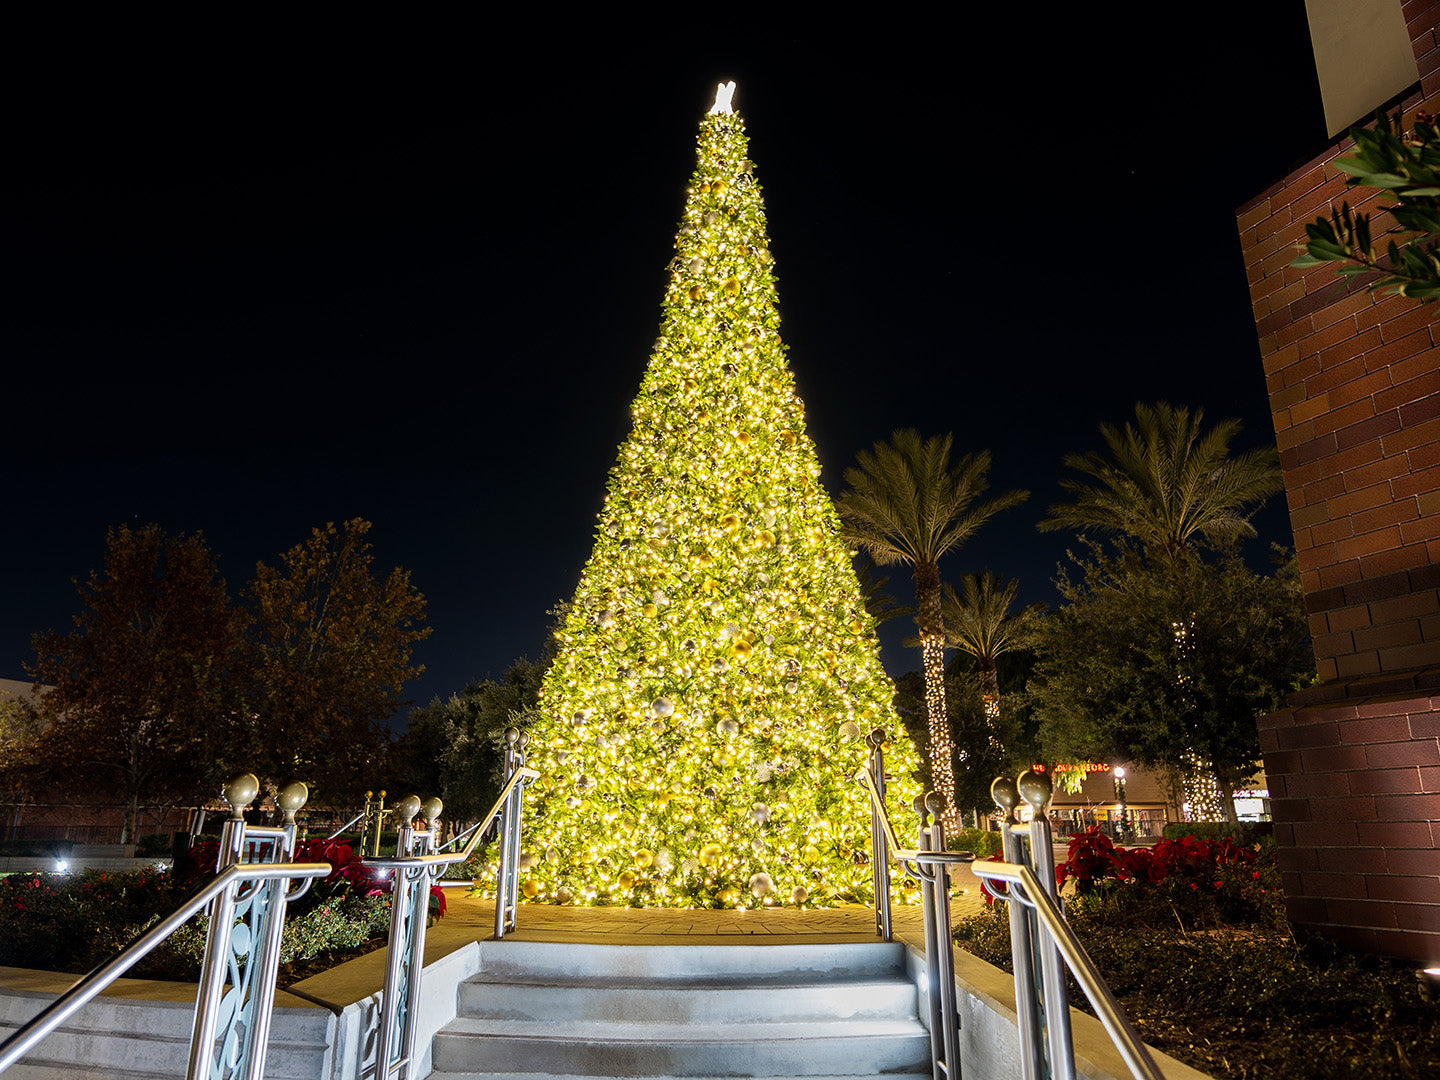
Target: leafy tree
[(1406, 166), (143, 700), (907, 503), (20, 728), (979, 622), (455, 746), (989, 747), (1167, 663), (1168, 483), (333, 644)]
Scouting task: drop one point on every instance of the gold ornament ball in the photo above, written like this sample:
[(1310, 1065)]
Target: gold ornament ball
[(710, 854), (731, 286), (626, 879), (531, 888), (718, 187), (643, 858)]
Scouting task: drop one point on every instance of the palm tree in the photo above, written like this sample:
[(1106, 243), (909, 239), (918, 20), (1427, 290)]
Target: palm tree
[(908, 504), (1168, 484), (1172, 487), (978, 621)]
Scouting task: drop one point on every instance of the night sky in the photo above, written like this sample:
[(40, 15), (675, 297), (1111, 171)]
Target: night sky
[(251, 289)]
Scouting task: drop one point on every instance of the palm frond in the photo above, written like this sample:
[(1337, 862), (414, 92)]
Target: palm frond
[(1167, 482)]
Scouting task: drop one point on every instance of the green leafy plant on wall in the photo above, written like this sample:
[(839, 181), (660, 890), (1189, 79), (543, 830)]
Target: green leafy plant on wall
[(1406, 166)]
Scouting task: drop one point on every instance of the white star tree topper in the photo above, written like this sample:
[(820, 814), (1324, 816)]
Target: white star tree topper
[(723, 93)]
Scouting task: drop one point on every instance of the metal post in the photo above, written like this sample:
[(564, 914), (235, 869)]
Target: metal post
[(409, 890), (291, 798), (932, 954), (879, 853), (1036, 790), (1007, 797), (944, 943), (507, 884)]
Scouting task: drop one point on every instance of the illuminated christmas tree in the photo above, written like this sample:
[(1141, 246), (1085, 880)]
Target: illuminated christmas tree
[(704, 717)]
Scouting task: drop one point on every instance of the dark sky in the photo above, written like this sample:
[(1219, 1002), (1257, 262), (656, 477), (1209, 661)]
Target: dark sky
[(247, 288)]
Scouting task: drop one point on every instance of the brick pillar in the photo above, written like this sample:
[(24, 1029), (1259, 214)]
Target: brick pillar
[(1354, 384)]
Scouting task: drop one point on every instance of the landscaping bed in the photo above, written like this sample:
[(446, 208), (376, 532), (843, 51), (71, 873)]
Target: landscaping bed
[(1193, 939), (72, 922)]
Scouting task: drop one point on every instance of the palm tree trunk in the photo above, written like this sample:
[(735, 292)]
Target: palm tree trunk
[(932, 660)]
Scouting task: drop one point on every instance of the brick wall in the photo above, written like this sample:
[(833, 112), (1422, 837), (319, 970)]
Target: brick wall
[(1354, 384), (1355, 793)]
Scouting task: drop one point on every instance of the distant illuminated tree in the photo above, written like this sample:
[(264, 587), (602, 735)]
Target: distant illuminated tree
[(907, 503), (979, 622), (702, 722)]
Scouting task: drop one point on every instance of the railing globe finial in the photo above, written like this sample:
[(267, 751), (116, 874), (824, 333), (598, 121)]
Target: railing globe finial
[(431, 808), (1005, 793), (524, 740), (240, 793), (875, 738), (1035, 788), (293, 796), (406, 809), (512, 735), (919, 805), (935, 803)]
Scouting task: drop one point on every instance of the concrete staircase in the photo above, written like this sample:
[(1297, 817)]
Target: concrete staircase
[(137, 1039), (818, 1011)]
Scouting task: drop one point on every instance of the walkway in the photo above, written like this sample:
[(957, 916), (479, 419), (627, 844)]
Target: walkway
[(469, 920)]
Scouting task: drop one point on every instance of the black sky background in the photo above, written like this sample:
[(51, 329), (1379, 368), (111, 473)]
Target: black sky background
[(248, 287)]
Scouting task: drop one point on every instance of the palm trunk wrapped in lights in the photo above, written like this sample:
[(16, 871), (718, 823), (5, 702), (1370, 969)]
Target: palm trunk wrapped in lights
[(932, 659)]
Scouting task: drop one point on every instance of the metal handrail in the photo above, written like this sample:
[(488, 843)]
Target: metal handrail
[(411, 875), (385, 862), (344, 828), (1111, 1015), (87, 987), (929, 864)]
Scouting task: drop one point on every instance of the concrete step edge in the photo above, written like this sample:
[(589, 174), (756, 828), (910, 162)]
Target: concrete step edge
[(686, 962), (440, 1074), (681, 1033)]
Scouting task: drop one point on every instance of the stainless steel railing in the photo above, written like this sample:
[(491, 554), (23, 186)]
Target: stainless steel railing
[(415, 865), (928, 862), (247, 960), (1041, 939)]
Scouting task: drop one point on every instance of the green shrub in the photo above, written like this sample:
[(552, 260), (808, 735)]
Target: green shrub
[(1204, 961), (982, 842), (154, 846), (36, 849), (1248, 832), (72, 922)]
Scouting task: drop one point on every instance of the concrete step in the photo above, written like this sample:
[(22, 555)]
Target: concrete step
[(125, 1037), (544, 1009), (542, 998), (437, 1075), (751, 964), (794, 1050)]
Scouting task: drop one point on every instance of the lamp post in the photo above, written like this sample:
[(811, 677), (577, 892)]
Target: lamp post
[(1124, 829)]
